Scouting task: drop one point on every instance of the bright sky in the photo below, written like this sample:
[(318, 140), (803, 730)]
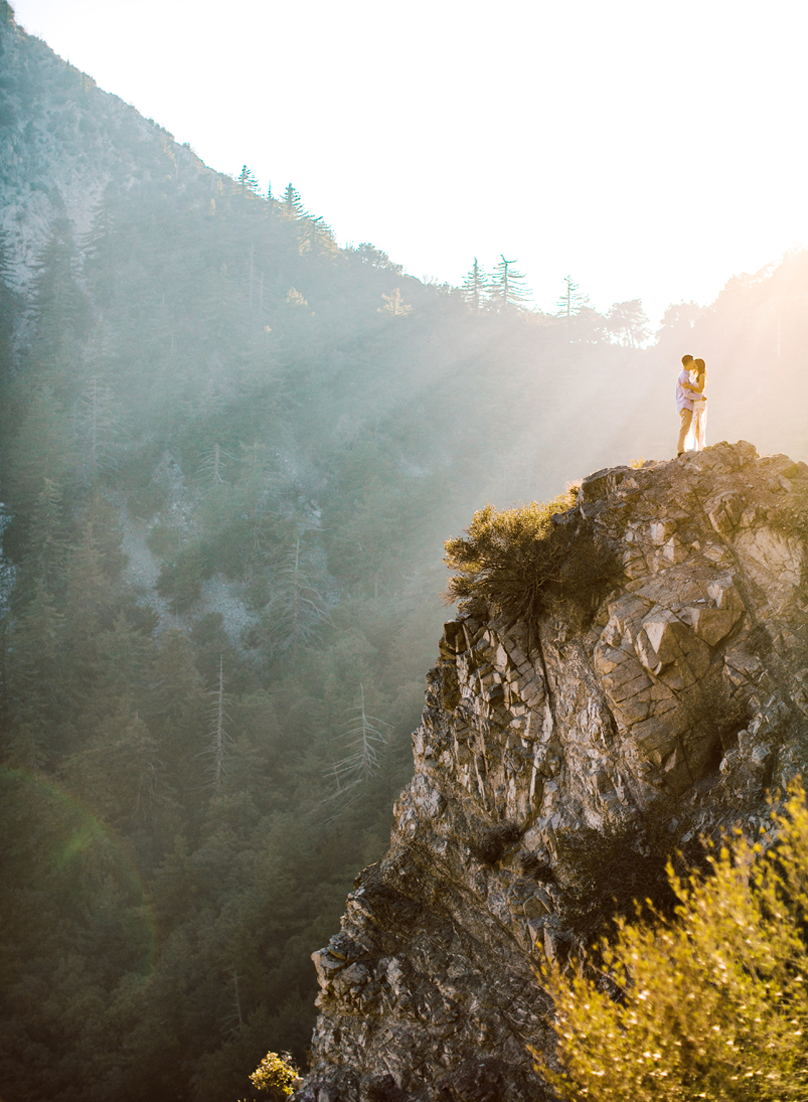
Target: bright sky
[(651, 148)]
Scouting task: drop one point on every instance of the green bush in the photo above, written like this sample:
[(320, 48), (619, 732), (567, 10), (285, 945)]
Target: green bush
[(508, 558), (710, 1003), (512, 560)]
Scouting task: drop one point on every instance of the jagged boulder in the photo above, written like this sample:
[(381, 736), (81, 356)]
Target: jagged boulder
[(681, 692)]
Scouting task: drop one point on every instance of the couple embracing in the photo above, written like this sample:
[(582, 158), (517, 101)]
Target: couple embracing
[(691, 404)]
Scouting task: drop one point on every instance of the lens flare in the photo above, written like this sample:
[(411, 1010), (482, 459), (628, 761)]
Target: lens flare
[(74, 865)]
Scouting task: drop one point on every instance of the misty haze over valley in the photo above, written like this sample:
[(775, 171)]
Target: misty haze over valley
[(231, 452)]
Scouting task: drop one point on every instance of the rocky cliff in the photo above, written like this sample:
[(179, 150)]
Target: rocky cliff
[(551, 760)]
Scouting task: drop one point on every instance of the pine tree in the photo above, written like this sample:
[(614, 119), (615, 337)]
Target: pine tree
[(507, 286), (315, 234), (216, 750), (90, 591), (99, 421), (306, 605), (9, 306), (297, 608), (177, 713), (60, 308), (571, 301), (102, 260), (42, 448), (214, 465), (119, 773), (247, 181), (45, 553), (34, 681), (292, 204), (126, 657), (475, 286), (363, 743)]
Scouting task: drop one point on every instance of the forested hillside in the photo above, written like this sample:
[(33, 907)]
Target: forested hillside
[(231, 451)]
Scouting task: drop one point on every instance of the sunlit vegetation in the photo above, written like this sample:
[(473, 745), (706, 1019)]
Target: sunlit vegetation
[(513, 561), (275, 1077), (708, 1002), (231, 452), (508, 558)]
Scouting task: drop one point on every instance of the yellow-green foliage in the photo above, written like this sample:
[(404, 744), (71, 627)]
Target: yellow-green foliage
[(275, 1076), (712, 1004), (507, 558)]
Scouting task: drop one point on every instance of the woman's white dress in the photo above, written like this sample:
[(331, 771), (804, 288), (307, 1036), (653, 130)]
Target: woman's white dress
[(699, 424), (697, 433)]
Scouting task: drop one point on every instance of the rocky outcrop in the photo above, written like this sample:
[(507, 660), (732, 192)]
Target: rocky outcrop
[(681, 692)]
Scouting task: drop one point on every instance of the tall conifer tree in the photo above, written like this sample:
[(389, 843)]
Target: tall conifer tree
[(507, 285), (475, 286), (572, 301), (247, 181), (9, 305), (292, 203)]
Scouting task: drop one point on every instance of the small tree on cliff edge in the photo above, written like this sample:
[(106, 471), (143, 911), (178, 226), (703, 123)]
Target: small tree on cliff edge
[(714, 1003), (507, 558)]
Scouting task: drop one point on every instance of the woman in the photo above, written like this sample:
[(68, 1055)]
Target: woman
[(698, 426)]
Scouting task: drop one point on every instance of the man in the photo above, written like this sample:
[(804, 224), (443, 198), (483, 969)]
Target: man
[(685, 392)]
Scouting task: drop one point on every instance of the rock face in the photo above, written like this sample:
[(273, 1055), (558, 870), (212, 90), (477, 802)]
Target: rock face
[(685, 688)]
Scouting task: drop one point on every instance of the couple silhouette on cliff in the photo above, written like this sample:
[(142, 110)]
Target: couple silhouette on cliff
[(691, 405)]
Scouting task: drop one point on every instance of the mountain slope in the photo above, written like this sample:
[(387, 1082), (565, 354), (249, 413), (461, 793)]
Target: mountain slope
[(230, 452)]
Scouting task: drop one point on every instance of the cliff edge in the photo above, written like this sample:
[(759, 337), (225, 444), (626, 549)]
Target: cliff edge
[(557, 761)]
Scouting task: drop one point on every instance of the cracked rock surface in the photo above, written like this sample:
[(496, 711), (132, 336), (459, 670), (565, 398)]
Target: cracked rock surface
[(685, 685)]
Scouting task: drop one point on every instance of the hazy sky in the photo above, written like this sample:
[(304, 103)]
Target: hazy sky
[(650, 148)]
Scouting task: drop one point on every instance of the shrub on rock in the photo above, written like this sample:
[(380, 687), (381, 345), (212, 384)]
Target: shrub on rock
[(711, 1003)]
